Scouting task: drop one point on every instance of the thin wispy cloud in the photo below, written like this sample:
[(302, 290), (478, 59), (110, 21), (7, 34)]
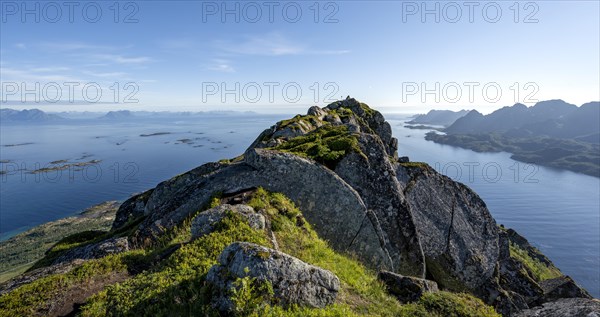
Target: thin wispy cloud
[(221, 65), (271, 44), (120, 59), (107, 75), (76, 46), (50, 69), (30, 75)]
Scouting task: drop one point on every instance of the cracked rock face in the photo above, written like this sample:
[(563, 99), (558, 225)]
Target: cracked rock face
[(458, 235), (375, 181), (294, 282)]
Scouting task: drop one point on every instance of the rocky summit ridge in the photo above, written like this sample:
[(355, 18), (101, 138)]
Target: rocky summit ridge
[(339, 165)]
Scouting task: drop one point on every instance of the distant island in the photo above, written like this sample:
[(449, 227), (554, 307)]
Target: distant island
[(551, 133), (37, 116), (438, 117), (33, 115)]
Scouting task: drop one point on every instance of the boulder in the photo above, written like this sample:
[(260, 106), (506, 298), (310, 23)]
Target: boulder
[(94, 250), (406, 288), (562, 287), (131, 209), (317, 112), (294, 282), (576, 307), (205, 222)]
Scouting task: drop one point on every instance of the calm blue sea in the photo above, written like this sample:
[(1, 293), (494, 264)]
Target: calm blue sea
[(557, 211)]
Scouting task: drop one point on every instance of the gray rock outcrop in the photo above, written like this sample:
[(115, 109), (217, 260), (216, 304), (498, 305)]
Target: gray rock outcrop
[(406, 288), (36, 274), (562, 287), (457, 233), (374, 179), (205, 222), (294, 282), (94, 250), (572, 307)]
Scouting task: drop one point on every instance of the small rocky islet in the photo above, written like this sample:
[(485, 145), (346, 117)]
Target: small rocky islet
[(319, 217)]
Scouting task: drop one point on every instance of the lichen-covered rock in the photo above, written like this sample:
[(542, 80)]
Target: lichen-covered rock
[(374, 178), (406, 288), (575, 307), (205, 222), (294, 282), (458, 235)]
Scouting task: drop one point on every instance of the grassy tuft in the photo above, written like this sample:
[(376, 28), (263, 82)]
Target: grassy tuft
[(539, 270)]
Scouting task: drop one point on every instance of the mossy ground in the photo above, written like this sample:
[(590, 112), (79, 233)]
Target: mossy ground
[(421, 165), (326, 145), (175, 285)]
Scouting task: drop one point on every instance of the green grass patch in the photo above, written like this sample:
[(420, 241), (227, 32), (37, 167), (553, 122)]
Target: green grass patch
[(298, 121), (37, 296), (421, 165), (446, 304), (175, 287), (539, 270), (326, 145)]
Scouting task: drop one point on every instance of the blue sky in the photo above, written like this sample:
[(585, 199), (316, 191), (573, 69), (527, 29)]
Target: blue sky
[(178, 55)]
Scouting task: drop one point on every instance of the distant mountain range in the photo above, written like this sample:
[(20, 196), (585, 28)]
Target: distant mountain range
[(39, 116), (552, 118), (33, 115), (551, 133), (439, 117), (118, 115)]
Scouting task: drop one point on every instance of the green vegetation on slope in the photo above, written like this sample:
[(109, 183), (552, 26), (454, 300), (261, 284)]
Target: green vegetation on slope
[(539, 270), (18, 253), (37, 297), (326, 145), (170, 279)]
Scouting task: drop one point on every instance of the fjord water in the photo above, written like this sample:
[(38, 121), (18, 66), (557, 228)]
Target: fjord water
[(130, 163), (558, 211)]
